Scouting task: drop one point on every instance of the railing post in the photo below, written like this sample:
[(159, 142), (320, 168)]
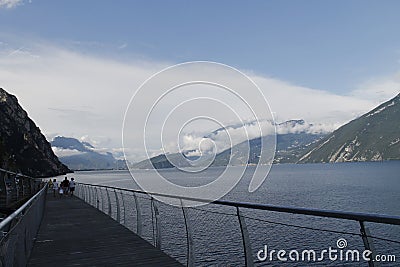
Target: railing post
[(189, 239), (81, 192), (368, 244), (94, 196), (90, 194), (109, 203), (86, 193), (102, 200), (3, 189), (123, 205), (118, 208), (32, 187), (77, 190), (157, 240), (22, 181), (89, 200), (12, 193), (97, 198), (13, 179), (152, 221), (138, 216), (27, 188), (248, 255)]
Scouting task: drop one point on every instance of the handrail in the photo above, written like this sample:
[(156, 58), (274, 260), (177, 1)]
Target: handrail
[(13, 215), (18, 230), (16, 188), (360, 218), (355, 216), (18, 174)]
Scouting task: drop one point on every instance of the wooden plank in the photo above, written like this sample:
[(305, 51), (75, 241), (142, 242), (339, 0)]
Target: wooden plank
[(74, 233)]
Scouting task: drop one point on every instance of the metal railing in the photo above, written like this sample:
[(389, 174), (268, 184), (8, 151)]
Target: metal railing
[(131, 208), (15, 188), (19, 229)]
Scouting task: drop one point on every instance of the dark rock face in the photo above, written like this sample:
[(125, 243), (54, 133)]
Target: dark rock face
[(23, 148)]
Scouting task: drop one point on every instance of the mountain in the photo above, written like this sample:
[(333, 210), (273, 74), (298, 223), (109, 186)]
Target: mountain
[(161, 162), (293, 138), (289, 146), (23, 148), (240, 156), (375, 136), (71, 144), (79, 155), (90, 161)]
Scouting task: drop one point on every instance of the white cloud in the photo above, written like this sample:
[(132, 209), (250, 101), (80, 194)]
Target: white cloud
[(315, 106), (78, 95), (123, 46), (10, 3), (379, 89), (70, 94), (318, 128), (232, 135), (60, 152)]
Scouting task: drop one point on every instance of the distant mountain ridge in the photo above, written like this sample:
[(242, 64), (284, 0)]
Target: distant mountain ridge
[(292, 139), (70, 143), (291, 143), (79, 155), (23, 148), (374, 136)]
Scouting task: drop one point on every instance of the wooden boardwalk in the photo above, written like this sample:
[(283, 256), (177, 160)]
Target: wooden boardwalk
[(74, 233)]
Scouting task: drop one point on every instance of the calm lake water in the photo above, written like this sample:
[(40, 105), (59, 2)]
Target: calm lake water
[(354, 187)]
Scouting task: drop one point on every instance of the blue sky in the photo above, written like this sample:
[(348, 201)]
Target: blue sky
[(329, 45), (75, 64)]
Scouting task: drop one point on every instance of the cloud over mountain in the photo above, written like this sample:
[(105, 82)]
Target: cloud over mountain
[(86, 94)]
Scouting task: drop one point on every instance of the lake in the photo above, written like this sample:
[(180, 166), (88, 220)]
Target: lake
[(355, 187)]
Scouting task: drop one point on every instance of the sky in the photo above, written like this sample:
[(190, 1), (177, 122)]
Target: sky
[(74, 65)]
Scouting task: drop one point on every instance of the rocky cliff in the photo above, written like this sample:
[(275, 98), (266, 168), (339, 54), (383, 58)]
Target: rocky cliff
[(375, 136), (23, 148)]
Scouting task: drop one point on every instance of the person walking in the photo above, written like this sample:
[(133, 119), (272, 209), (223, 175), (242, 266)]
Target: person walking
[(72, 186), (61, 191), (50, 185), (55, 187), (65, 185)]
